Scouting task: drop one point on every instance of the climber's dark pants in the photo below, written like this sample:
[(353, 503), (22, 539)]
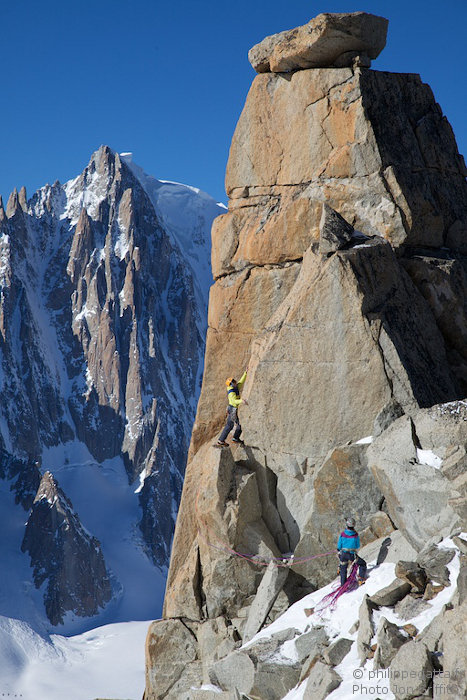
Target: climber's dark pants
[(345, 558), (232, 419)]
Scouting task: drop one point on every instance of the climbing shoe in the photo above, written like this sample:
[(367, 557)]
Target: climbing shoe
[(221, 444), (238, 441)]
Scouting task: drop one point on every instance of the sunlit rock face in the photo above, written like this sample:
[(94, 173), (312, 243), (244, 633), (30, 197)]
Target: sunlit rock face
[(337, 266)]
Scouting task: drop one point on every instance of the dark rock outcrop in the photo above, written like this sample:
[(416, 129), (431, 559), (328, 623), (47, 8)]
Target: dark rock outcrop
[(64, 555)]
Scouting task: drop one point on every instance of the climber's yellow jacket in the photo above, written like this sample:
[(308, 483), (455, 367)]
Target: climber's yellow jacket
[(233, 392)]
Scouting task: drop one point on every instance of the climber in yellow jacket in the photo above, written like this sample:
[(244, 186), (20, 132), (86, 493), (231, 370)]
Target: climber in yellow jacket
[(233, 395)]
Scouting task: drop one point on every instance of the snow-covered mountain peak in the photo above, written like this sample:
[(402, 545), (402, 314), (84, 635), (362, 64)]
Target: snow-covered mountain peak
[(103, 311), (186, 213)]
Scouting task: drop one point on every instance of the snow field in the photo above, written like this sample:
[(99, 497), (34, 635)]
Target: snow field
[(338, 622)]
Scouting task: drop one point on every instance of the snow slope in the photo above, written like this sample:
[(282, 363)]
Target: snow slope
[(104, 662), (339, 621)]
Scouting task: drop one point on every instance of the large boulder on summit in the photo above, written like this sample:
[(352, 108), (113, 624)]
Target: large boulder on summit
[(389, 639), (321, 682), (258, 669), (411, 663), (330, 39)]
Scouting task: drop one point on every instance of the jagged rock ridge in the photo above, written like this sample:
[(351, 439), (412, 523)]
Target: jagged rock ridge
[(102, 322), (343, 321), (64, 555)]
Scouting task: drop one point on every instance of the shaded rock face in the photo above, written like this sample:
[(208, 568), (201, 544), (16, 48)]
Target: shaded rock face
[(64, 555), (102, 322), (337, 332)]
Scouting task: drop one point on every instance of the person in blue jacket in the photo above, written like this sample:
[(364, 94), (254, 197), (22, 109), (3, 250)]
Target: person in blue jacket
[(347, 547)]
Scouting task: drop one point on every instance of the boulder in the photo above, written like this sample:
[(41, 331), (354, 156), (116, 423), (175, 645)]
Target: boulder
[(216, 639), (274, 679), (432, 591), (235, 671), (454, 625), (433, 560), (336, 652), (366, 629), (334, 231), (321, 682), (389, 640), (410, 671), (182, 689), (311, 643), (271, 583), (440, 427), (391, 594), (327, 40), (410, 607), (171, 660), (308, 665), (412, 573), (258, 669), (411, 630)]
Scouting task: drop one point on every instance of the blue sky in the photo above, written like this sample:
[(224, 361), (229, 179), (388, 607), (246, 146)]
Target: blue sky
[(167, 80)]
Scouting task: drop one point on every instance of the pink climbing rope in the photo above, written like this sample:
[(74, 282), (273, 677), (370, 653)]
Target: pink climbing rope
[(259, 560), (280, 562), (330, 600)]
